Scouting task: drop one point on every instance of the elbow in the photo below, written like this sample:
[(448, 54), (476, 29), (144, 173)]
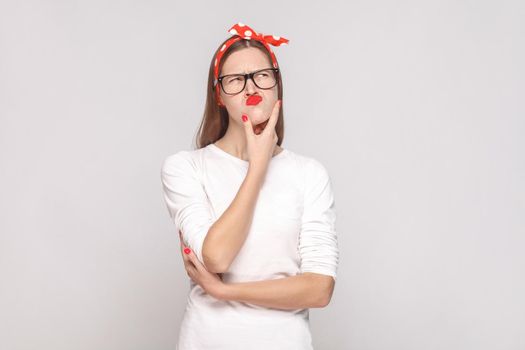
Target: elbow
[(326, 296), (324, 300), (213, 259), (214, 265), (324, 289)]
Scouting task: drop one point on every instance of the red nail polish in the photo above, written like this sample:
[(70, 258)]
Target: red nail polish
[(187, 250), (244, 117)]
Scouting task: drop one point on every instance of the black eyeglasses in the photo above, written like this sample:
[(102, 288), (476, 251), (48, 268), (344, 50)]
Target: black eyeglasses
[(265, 79)]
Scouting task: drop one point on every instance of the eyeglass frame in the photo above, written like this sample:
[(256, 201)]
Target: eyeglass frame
[(250, 76)]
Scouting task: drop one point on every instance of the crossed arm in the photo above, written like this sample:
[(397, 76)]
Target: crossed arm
[(222, 239), (307, 290)]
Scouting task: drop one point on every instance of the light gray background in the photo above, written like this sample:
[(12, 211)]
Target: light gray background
[(415, 107)]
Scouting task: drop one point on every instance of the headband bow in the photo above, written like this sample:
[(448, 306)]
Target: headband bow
[(242, 31)]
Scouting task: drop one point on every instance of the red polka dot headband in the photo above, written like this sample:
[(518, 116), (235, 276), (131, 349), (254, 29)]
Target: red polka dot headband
[(241, 31)]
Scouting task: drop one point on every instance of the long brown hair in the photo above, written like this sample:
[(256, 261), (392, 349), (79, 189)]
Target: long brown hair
[(215, 120)]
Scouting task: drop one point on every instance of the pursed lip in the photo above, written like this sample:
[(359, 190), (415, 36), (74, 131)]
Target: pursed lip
[(253, 100)]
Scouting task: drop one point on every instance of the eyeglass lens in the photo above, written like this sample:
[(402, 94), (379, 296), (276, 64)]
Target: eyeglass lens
[(265, 79)]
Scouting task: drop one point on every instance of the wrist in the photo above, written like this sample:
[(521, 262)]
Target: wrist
[(226, 292), (256, 173)]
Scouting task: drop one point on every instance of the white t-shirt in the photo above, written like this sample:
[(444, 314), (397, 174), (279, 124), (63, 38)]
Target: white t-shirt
[(292, 231)]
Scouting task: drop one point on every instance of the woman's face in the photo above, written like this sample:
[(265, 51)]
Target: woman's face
[(246, 61)]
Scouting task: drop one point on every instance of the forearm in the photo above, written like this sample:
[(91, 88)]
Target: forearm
[(227, 235), (289, 293)]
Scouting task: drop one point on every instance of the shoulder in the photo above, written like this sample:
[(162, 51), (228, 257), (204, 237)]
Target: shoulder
[(183, 160), (312, 172), (309, 166)]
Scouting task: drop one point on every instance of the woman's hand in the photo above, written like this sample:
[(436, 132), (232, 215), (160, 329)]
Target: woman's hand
[(210, 282), (261, 145)]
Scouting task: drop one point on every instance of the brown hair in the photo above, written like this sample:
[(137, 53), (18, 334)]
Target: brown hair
[(215, 120)]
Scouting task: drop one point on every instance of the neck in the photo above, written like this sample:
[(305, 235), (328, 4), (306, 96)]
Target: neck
[(234, 142)]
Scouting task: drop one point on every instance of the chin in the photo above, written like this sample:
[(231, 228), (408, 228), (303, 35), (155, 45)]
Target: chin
[(259, 121)]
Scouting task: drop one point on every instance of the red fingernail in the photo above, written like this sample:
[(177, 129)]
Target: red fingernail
[(244, 117), (187, 250)]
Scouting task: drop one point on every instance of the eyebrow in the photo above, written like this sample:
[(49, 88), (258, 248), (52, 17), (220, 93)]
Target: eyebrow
[(248, 72)]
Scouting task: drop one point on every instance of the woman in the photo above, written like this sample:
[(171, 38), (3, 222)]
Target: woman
[(256, 221)]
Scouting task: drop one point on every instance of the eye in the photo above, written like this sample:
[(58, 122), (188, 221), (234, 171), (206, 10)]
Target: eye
[(234, 79)]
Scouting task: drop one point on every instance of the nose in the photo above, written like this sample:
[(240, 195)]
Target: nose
[(250, 87)]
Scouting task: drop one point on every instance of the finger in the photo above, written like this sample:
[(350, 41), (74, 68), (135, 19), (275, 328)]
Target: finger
[(273, 118), (181, 243), (190, 270), (182, 248), (196, 262), (184, 257), (248, 127), (187, 263)]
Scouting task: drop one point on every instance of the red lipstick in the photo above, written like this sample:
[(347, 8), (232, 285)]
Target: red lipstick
[(253, 100)]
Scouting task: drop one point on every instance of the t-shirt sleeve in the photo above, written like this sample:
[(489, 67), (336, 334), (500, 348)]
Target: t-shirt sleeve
[(318, 246), (187, 201)]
